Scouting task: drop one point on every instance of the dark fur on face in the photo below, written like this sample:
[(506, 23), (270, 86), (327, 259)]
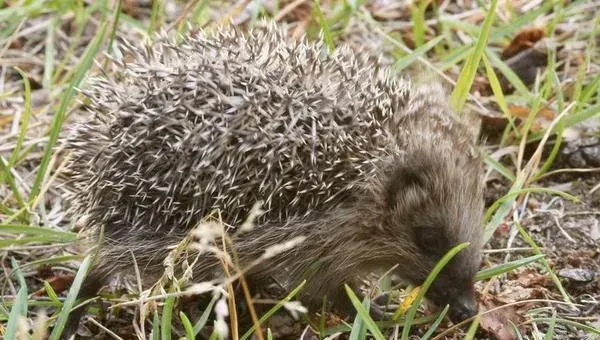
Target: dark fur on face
[(424, 200)]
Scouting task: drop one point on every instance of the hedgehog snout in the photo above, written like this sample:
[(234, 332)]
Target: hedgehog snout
[(462, 307), (460, 296)]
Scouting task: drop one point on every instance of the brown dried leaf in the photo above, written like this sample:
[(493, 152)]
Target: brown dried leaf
[(497, 322), (136, 8), (59, 284), (294, 11), (388, 10), (514, 293), (331, 319), (525, 39), (543, 119), (529, 277)]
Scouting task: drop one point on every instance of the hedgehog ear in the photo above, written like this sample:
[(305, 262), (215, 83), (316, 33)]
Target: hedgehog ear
[(403, 179)]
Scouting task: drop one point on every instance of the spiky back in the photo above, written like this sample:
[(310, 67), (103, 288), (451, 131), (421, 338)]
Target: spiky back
[(227, 120)]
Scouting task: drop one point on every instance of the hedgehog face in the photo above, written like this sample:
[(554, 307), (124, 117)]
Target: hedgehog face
[(432, 209)]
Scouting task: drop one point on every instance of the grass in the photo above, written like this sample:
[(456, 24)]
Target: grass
[(40, 59), (467, 74)]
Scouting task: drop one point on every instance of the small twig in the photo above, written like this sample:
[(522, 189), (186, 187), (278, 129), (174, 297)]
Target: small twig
[(562, 171), (231, 294), (287, 9), (504, 250), (46, 185), (184, 13), (105, 329), (594, 189), (138, 278), (562, 230), (235, 10)]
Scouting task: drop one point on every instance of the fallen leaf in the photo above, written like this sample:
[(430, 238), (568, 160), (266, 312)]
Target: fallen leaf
[(59, 284), (544, 117), (497, 322), (529, 277), (525, 39), (523, 112), (408, 300), (514, 292), (331, 319), (135, 8)]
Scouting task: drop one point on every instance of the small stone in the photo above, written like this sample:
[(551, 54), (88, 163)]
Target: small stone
[(578, 274)]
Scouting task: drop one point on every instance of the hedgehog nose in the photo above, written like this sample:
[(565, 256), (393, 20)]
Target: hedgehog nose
[(463, 308)]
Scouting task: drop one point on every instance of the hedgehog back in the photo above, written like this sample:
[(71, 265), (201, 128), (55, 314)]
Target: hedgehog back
[(224, 121)]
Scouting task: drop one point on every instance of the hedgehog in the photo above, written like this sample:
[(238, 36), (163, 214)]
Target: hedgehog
[(373, 170)]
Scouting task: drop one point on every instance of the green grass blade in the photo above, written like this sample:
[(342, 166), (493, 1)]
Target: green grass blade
[(583, 327), (46, 232), (359, 328), (18, 273), (155, 327), (167, 317), (50, 54), (509, 74), (589, 90), (51, 293), (18, 310), (498, 94), (418, 21), (59, 117), (522, 20), (410, 314), (82, 17), (472, 329), (204, 317), (154, 16), (53, 260), (436, 323), (187, 326), (516, 330), (274, 310), (364, 314), (579, 117), (454, 57), (467, 74), (538, 251), (25, 119), (70, 300), (405, 61), (505, 267), (501, 205), (8, 177), (115, 24), (501, 169), (327, 37), (19, 307), (550, 333), (25, 240)]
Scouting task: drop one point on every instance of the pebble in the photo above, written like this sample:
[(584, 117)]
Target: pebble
[(578, 274)]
